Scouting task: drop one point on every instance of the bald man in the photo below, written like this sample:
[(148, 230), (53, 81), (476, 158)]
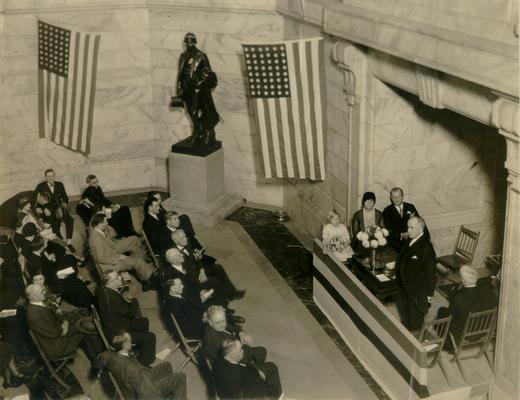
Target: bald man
[(415, 272)]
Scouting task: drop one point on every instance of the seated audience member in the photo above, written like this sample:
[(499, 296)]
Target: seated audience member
[(234, 379), (60, 274), (336, 238), (467, 298), (135, 380), (396, 217), (206, 267), (93, 197), (155, 228), (217, 330), (58, 204), (12, 296), (189, 276), (112, 253), (188, 310), (118, 313), (58, 336), (366, 217), (185, 222), (9, 370)]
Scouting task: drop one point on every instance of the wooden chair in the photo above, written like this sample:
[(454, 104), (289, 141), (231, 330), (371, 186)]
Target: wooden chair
[(464, 251), (432, 336), (478, 331), (118, 392), (190, 347), (55, 365), (99, 327)]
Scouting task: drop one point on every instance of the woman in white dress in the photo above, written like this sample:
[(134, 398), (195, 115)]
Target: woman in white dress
[(336, 239)]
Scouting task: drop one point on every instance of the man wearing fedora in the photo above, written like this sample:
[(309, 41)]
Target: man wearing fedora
[(194, 84)]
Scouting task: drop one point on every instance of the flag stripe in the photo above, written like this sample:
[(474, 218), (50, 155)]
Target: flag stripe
[(73, 119), (269, 137), (281, 138), (260, 115), (312, 102), (275, 139), (83, 88), (92, 92), (288, 147), (64, 109), (55, 83), (292, 129), (303, 136)]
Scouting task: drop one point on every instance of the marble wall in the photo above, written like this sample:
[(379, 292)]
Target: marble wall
[(123, 141), (449, 166), (133, 126), (220, 33)]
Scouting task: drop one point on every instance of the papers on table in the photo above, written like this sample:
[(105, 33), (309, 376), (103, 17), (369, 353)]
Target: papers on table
[(7, 313), (63, 273), (382, 277)]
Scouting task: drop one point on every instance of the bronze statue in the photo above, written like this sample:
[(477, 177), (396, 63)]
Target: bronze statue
[(194, 84)]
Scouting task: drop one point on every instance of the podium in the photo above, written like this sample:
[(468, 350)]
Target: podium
[(197, 183)]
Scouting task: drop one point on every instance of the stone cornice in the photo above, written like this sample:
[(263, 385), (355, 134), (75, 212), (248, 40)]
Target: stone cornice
[(487, 61)]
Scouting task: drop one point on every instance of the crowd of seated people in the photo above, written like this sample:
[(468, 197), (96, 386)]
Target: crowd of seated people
[(40, 269)]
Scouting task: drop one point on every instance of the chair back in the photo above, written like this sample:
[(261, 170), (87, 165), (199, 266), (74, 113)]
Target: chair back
[(99, 327), (479, 327), (150, 252), (118, 392), (432, 336), (185, 342), (466, 244)]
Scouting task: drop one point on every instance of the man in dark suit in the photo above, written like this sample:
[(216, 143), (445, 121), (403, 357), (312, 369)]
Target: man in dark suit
[(136, 381), (120, 313), (155, 228), (57, 337), (208, 269), (93, 198), (237, 380), (396, 217), (59, 202), (188, 310), (176, 268), (217, 330), (469, 297), (69, 285), (415, 271)]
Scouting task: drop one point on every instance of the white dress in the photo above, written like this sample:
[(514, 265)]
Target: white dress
[(337, 241)]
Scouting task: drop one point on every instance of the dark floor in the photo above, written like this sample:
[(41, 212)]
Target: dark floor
[(294, 263)]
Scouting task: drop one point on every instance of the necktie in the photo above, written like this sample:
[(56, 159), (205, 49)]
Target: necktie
[(401, 211)]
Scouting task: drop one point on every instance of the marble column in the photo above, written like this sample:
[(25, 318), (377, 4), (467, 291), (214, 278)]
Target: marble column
[(506, 380), (353, 63)]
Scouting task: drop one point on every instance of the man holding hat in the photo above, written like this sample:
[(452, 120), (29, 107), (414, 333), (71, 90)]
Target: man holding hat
[(194, 83)]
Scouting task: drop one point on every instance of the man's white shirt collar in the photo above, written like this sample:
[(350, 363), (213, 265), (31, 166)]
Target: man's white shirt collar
[(153, 216), (38, 303), (178, 268), (415, 239), (100, 231)]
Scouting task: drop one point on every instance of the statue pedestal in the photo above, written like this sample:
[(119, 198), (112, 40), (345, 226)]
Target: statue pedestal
[(197, 185)]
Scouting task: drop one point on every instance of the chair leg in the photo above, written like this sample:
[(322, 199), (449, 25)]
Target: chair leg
[(60, 381), (177, 345), (488, 358), (440, 362)]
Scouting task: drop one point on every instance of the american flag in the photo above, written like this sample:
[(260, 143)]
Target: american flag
[(67, 67), (286, 83)]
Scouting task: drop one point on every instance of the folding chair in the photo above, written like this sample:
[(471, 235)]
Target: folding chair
[(118, 392), (464, 251), (99, 327), (190, 347), (432, 336), (150, 252), (478, 331), (59, 362)]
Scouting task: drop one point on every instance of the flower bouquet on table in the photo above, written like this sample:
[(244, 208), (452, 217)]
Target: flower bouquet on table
[(372, 238)]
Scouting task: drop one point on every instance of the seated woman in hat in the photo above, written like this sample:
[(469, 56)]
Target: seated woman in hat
[(366, 217), (336, 238)]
